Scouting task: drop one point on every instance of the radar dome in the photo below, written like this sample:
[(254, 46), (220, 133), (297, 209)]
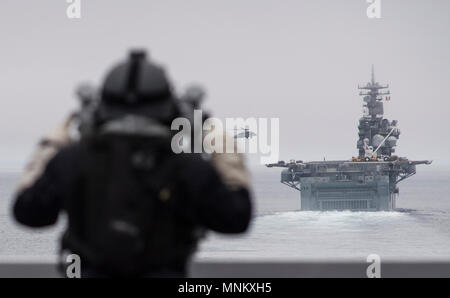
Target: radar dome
[(376, 140), (391, 141)]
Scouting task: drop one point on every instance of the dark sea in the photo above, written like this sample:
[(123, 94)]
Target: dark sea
[(418, 230)]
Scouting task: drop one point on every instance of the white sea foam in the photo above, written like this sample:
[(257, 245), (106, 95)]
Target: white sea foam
[(333, 235)]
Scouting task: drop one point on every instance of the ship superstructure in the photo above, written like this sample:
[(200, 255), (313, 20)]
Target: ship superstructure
[(366, 182), (377, 136)]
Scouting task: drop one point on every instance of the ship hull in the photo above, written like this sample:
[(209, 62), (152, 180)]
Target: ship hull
[(344, 185), (371, 193)]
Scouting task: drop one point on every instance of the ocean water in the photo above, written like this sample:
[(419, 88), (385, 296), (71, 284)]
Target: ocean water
[(418, 230)]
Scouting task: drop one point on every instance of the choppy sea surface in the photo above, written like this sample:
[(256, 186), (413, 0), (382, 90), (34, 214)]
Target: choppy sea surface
[(418, 230)]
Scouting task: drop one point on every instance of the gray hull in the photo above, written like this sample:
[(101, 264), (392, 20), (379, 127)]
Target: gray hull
[(356, 190), (348, 185), (373, 195)]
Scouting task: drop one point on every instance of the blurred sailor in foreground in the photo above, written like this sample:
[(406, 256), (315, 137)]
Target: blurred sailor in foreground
[(134, 207)]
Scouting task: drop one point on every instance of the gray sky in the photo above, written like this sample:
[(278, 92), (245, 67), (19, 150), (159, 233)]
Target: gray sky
[(299, 61)]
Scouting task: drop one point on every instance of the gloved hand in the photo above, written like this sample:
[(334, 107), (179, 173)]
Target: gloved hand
[(47, 148), (230, 166)]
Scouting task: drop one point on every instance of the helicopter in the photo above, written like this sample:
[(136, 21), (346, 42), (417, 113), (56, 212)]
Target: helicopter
[(246, 133)]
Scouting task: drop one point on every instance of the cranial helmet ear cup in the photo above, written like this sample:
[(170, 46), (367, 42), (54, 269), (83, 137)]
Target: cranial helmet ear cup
[(136, 81)]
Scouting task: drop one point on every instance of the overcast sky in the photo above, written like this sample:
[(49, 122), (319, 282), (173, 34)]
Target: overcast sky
[(300, 61)]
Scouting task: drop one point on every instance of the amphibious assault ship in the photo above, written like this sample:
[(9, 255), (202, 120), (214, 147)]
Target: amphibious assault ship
[(366, 182)]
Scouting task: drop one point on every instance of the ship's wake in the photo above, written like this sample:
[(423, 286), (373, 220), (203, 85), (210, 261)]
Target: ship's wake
[(401, 234)]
